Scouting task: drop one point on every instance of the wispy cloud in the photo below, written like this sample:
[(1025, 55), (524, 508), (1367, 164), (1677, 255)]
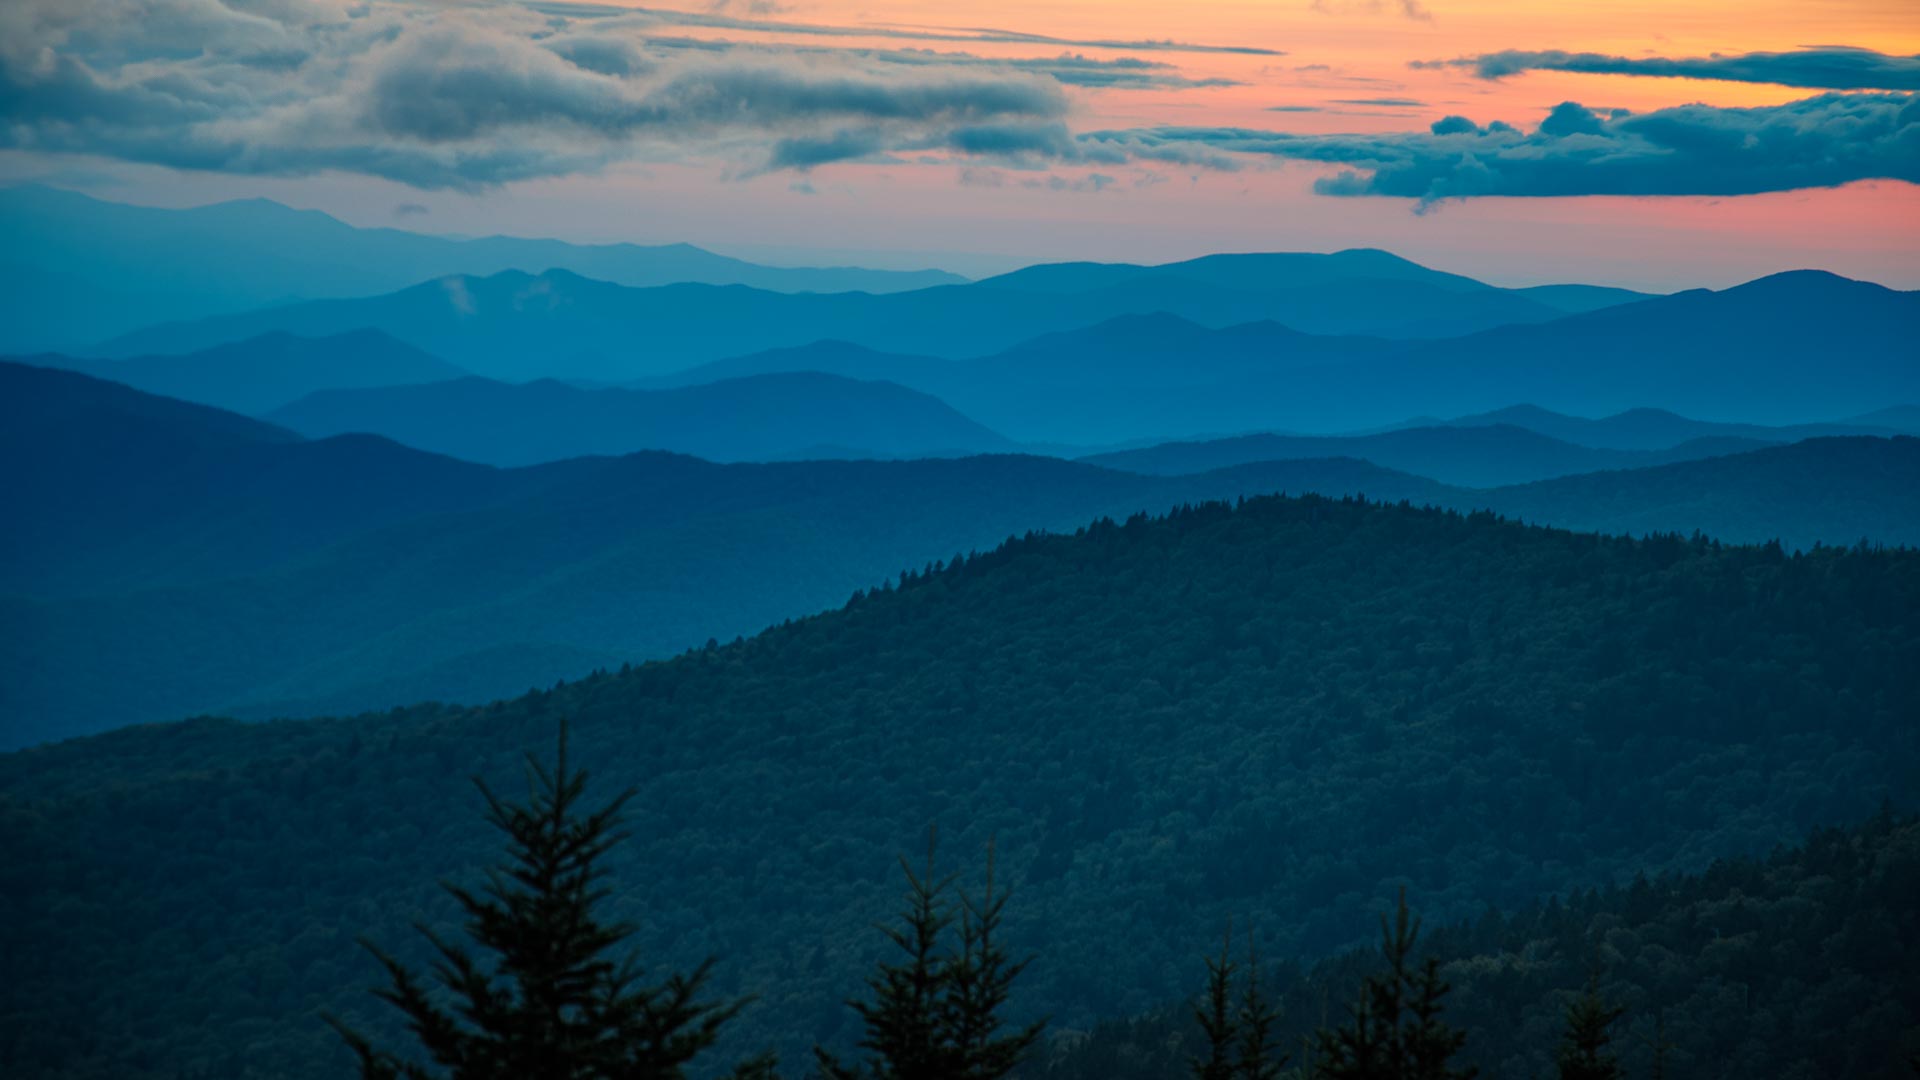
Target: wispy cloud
[(1828, 67), (988, 35), (1411, 9)]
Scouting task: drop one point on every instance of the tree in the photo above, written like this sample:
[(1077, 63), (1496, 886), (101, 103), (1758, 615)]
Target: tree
[(1217, 1018), (935, 1013), (1258, 1018), (551, 1005), (1396, 1031), (1583, 1048)]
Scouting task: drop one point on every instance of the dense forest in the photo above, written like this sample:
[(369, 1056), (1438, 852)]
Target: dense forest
[(1804, 964), (1281, 711)]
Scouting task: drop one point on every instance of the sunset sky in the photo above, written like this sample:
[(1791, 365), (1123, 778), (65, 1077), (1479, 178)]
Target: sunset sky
[(1711, 141)]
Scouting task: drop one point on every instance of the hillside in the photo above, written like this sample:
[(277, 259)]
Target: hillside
[(755, 418), (79, 268), (1824, 933), (264, 373), (1465, 455), (1278, 712)]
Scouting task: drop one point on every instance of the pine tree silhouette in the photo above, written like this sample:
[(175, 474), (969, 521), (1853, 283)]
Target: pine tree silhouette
[(935, 1013), (1218, 1020), (1396, 1031), (551, 1005), (1583, 1049)]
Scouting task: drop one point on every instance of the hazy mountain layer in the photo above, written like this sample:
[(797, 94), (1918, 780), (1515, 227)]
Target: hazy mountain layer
[(755, 418), (78, 269)]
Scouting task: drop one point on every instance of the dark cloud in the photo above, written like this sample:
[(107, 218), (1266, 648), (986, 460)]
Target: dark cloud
[(1827, 67), (410, 209), (1822, 141)]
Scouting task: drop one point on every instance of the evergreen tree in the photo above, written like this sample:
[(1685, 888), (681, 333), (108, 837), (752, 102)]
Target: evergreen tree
[(934, 1015), (1583, 1049), (1396, 1031), (551, 1005), (981, 981), (1217, 1018), (1258, 1017)]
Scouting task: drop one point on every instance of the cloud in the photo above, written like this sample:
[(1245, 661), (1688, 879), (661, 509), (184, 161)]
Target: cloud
[(634, 16), (1383, 101), (471, 97), (410, 209), (1822, 141), (1828, 67)]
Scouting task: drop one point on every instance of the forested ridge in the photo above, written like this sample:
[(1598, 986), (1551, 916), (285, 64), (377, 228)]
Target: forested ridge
[(1279, 711)]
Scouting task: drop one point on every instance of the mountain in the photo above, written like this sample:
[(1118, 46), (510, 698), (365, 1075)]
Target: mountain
[(1899, 417), (1278, 713), (756, 418), (1127, 378), (1785, 349), (1840, 491), (1655, 429), (264, 373), (1468, 455), (79, 268), (1574, 299)]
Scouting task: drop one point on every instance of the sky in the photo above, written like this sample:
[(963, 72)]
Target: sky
[(1649, 144)]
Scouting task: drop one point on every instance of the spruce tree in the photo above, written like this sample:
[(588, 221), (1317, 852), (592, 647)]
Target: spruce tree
[(550, 1004), (980, 983), (1584, 1053), (1217, 1018), (1257, 1018), (1395, 1031), (935, 1012)]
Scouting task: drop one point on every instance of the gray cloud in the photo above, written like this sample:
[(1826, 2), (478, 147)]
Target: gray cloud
[(1827, 67), (466, 98), (1822, 141), (1383, 101)]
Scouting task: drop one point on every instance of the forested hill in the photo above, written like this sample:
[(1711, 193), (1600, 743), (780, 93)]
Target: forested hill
[(1280, 711), (1804, 964)]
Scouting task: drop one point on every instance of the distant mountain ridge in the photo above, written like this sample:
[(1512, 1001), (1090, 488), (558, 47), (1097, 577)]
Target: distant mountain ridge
[(752, 418), (79, 268), (266, 372), (1481, 456)]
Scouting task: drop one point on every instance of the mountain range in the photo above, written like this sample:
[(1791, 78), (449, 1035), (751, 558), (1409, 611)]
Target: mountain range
[(79, 268), (175, 540), (519, 326)]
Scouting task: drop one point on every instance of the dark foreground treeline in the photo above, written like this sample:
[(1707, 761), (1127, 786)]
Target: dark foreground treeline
[(1802, 965)]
